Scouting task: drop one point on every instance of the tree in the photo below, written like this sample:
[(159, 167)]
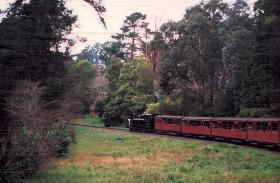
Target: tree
[(84, 76), (131, 91), (110, 50), (112, 74), (31, 33), (237, 55), (101, 53), (263, 79), (193, 63), (134, 30), (91, 53)]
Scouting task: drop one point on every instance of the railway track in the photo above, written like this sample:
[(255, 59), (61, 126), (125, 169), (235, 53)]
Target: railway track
[(274, 149)]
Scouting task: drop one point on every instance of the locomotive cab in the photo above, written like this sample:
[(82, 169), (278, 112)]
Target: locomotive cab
[(143, 123)]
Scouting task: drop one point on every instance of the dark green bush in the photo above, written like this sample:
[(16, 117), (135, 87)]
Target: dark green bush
[(25, 155), (254, 112), (100, 107), (170, 105), (61, 137)]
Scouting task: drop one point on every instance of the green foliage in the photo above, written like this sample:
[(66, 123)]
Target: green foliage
[(190, 64), (169, 105), (131, 89), (133, 31), (112, 74), (85, 71), (254, 112), (262, 85), (84, 74), (100, 106), (120, 104), (102, 52), (152, 108), (26, 156), (144, 75), (61, 137)]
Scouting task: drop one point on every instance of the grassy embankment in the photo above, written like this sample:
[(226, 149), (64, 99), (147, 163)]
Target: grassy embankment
[(100, 156), (88, 120), (96, 121)]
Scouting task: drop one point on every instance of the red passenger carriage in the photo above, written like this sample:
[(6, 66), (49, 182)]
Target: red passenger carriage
[(196, 125), (264, 130), (229, 127), (168, 123), (260, 130)]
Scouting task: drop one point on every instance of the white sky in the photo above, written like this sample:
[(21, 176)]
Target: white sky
[(158, 12)]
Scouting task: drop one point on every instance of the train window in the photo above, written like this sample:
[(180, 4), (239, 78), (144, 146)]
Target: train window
[(214, 124), (250, 125), (265, 126), (230, 125), (243, 126), (206, 124), (258, 126), (224, 125), (169, 121), (195, 123), (192, 123), (274, 126), (236, 126), (177, 121)]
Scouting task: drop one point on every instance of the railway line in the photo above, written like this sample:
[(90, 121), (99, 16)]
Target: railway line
[(272, 149)]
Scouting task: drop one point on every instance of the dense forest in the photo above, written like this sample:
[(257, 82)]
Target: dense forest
[(219, 60)]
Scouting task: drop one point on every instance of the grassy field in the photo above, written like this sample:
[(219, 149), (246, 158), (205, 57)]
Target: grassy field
[(89, 120), (96, 121), (105, 157)]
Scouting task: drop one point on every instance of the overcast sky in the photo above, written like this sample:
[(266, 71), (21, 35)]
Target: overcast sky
[(158, 12)]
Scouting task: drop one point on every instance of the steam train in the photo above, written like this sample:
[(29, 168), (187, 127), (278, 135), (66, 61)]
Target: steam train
[(256, 130)]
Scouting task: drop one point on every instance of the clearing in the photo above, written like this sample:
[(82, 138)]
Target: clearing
[(102, 156)]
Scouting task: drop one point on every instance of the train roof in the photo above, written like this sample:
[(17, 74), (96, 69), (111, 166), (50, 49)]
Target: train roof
[(246, 119), (170, 117)]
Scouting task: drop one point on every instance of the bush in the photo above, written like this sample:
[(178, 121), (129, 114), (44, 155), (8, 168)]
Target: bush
[(61, 137), (100, 107), (25, 155), (254, 112), (35, 132), (170, 105), (153, 108)]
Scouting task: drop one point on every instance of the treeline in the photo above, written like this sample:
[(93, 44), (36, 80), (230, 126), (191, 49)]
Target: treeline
[(41, 86), (218, 60)]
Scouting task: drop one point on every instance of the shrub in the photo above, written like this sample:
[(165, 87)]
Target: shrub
[(170, 105), (25, 155), (100, 107), (153, 108), (61, 137), (254, 112), (36, 132)]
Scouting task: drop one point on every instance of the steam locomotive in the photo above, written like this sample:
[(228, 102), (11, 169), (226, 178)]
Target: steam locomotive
[(257, 130)]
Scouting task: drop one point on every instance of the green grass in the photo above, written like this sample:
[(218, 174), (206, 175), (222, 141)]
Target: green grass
[(96, 121), (91, 121), (107, 157)]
